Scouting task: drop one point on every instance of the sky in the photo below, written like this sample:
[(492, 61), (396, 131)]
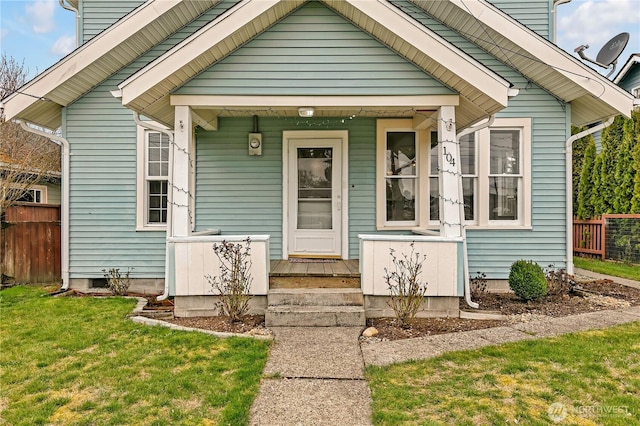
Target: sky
[(41, 32)]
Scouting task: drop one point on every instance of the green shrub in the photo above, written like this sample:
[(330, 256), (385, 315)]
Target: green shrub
[(527, 280)]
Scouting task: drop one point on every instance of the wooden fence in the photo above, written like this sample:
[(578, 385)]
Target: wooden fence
[(30, 243), (590, 236)]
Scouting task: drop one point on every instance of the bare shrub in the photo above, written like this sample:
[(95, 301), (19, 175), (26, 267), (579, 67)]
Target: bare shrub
[(117, 283), (234, 281), (407, 291), (478, 284), (559, 282)]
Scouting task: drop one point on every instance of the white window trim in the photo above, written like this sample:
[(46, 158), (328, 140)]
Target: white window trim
[(141, 182), (43, 192), (481, 198), (524, 191), (384, 126)]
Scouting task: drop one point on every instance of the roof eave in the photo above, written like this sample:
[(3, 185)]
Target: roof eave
[(91, 63)]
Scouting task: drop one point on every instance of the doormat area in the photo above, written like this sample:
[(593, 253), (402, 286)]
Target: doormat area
[(305, 260)]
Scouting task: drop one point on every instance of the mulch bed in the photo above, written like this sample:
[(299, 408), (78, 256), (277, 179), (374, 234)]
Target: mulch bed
[(222, 323), (593, 296)]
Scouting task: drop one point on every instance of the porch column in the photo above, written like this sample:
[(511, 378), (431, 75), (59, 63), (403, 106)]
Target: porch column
[(180, 188), (449, 173)]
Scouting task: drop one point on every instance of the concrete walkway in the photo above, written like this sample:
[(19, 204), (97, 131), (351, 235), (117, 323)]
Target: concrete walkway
[(583, 273), (315, 375)]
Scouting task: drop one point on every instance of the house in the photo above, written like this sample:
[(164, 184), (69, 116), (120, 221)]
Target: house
[(629, 76), (320, 129)]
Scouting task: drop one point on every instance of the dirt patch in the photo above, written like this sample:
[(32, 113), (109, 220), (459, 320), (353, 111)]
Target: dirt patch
[(250, 324)]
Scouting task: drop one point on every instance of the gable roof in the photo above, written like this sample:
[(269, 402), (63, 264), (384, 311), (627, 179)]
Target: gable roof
[(593, 98), (41, 100), (481, 91)]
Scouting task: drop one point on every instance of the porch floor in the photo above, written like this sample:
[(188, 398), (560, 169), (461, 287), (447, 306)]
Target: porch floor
[(338, 274)]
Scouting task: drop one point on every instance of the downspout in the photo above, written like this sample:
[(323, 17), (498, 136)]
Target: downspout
[(554, 17), (77, 12), (569, 184), (169, 133), (64, 225), (465, 255)]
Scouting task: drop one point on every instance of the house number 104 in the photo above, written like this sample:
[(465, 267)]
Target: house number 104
[(448, 156)]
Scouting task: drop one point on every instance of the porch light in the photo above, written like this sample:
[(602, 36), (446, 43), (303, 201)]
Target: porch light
[(306, 112)]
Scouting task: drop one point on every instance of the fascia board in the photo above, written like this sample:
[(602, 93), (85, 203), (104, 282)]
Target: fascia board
[(85, 55), (191, 48), (558, 59), (222, 101), (432, 45)]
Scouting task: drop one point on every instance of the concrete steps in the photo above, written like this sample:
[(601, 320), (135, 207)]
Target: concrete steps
[(315, 307)]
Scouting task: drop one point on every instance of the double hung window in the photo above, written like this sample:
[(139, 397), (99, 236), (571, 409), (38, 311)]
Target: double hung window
[(153, 180)]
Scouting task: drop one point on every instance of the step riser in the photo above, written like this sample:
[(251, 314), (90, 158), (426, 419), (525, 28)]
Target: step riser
[(315, 319), (309, 299), (276, 282)]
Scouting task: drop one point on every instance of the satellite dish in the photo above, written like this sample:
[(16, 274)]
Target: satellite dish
[(608, 55)]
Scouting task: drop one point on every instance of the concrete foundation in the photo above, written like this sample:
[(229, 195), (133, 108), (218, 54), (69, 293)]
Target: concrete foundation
[(206, 306), (138, 285), (441, 306)]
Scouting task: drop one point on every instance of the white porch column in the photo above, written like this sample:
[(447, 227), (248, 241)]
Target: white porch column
[(181, 212), (449, 173)]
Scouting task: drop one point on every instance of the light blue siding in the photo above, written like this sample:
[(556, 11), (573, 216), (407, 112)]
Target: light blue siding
[(631, 80), (534, 14), (242, 194), (102, 135), (98, 15), (314, 51)]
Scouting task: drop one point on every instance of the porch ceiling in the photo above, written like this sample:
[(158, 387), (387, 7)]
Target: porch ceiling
[(40, 101), (482, 92), (593, 98), (208, 107)]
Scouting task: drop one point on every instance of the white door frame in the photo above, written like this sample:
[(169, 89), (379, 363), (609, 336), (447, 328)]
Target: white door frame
[(343, 135)]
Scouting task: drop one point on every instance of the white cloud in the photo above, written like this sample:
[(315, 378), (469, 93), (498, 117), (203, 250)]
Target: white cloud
[(40, 16), (3, 33), (595, 22), (63, 45)]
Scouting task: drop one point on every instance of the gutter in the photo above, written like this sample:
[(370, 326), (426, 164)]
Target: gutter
[(465, 254), (569, 184), (554, 17), (169, 133), (70, 8), (66, 154)]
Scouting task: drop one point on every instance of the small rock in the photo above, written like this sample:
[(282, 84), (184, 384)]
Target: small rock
[(370, 332)]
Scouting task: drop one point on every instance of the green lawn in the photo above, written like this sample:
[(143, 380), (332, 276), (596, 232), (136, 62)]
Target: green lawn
[(81, 361), (616, 269), (595, 375)]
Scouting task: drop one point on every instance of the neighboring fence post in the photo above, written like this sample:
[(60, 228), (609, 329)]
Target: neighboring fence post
[(603, 242)]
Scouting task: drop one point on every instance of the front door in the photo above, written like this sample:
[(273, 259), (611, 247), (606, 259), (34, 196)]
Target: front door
[(314, 197)]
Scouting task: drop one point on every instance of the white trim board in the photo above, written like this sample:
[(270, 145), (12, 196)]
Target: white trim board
[(315, 134)]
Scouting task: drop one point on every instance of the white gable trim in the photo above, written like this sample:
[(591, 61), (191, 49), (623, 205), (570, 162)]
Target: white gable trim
[(147, 86), (222, 101), (430, 44), (547, 53), (95, 59), (230, 24)]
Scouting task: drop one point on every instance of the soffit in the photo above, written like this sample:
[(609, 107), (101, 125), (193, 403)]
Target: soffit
[(592, 96), (40, 101)]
